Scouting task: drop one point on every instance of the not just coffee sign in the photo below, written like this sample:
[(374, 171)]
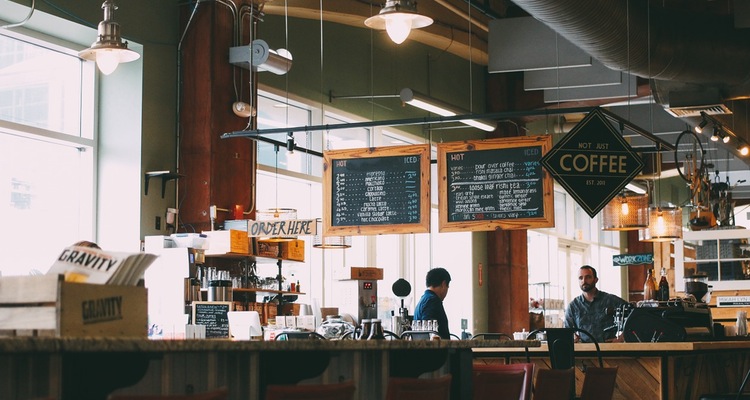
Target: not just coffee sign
[(593, 162)]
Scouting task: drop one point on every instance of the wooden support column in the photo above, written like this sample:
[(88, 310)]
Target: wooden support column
[(215, 171), (508, 281)]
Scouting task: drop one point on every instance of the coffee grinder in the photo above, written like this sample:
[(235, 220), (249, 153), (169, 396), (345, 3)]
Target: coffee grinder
[(402, 321)]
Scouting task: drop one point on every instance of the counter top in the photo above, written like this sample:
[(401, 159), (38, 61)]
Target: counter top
[(639, 347), (54, 345)]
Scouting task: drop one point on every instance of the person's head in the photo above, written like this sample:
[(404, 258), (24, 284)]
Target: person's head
[(438, 280), (86, 243), (587, 278)]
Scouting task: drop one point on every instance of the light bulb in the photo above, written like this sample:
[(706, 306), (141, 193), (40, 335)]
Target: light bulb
[(744, 150), (107, 61), (398, 27), (624, 208), (660, 229)]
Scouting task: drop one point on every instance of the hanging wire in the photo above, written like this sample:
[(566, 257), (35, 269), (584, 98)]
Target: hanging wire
[(25, 20)]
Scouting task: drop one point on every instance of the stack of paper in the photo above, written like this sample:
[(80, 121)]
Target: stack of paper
[(91, 265)]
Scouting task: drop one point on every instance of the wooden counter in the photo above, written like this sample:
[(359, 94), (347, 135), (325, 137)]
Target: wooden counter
[(650, 370), (91, 368)]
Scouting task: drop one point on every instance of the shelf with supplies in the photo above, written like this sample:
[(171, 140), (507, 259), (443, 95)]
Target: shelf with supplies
[(262, 290)]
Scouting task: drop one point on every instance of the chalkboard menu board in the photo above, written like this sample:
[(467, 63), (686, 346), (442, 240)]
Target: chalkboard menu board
[(213, 314), (495, 184), (376, 190)]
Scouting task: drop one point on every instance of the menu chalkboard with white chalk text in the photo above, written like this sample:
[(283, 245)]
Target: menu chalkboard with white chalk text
[(213, 314), (381, 190), (494, 184)]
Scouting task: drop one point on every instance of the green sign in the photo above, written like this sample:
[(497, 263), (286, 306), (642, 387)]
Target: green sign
[(632, 259), (593, 162)]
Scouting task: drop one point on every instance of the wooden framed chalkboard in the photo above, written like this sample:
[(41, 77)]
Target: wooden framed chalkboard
[(495, 184), (380, 190), (213, 314)]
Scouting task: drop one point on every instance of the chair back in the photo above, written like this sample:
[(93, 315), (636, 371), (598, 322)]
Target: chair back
[(599, 383), (417, 335), (503, 381), (553, 384), (419, 388), (293, 335), (560, 345), (329, 391), (492, 336), (216, 394)]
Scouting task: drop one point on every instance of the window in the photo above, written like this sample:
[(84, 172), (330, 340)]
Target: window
[(46, 151), (723, 255)]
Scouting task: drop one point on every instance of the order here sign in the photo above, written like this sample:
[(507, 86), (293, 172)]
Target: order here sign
[(593, 162)]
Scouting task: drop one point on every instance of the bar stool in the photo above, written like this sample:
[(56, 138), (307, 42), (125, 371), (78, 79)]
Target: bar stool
[(216, 394), (419, 388), (503, 381), (491, 336), (326, 391)]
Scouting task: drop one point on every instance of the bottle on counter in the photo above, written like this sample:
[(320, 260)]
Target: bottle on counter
[(649, 287), (741, 323), (298, 289), (663, 286), (364, 332), (376, 330)]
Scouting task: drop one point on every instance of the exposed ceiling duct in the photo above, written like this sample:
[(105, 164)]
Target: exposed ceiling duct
[(681, 47)]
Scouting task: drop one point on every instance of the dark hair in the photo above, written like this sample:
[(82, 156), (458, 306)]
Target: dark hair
[(589, 267), (436, 276), (86, 243)]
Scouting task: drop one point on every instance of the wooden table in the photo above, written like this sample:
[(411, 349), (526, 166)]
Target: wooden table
[(91, 368), (650, 370)]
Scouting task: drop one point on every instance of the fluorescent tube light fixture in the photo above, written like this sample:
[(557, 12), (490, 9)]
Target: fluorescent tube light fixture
[(109, 50), (434, 106), (398, 18)]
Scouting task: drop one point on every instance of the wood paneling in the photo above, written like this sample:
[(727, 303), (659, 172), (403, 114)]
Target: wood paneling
[(216, 171)]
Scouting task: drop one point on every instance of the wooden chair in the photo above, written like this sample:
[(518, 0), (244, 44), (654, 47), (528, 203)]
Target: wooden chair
[(216, 394), (328, 391), (599, 383), (419, 389), (553, 384), (491, 336), (503, 381)]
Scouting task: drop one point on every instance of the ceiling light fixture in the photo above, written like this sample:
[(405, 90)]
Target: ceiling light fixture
[(627, 211), (715, 135), (699, 128), (744, 149), (290, 142), (109, 50), (426, 103), (724, 137), (398, 18)]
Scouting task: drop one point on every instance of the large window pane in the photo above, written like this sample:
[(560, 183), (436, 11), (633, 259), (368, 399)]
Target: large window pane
[(39, 87), (43, 187)]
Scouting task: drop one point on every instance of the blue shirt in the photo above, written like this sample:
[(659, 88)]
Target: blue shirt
[(431, 307), (592, 316)]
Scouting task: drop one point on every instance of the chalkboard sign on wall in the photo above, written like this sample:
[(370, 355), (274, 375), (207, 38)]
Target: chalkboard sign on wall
[(213, 314), (380, 190), (495, 184)]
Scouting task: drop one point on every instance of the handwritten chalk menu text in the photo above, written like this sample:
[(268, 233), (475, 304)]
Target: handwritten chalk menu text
[(213, 314), (495, 184), (379, 190)]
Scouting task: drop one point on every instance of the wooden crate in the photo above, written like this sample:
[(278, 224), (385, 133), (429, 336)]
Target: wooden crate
[(48, 306)]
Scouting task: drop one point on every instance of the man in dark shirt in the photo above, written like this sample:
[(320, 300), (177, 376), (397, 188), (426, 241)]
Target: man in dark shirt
[(589, 310), (430, 306)]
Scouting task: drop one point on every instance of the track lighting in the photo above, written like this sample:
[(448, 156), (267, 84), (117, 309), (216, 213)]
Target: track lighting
[(699, 128), (725, 138), (398, 18), (743, 149), (715, 136), (109, 50), (290, 143)]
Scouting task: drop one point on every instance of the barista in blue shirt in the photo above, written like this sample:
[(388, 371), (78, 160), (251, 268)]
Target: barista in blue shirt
[(430, 306)]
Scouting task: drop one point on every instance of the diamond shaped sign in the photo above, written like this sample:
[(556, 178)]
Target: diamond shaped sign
[(593, 162)]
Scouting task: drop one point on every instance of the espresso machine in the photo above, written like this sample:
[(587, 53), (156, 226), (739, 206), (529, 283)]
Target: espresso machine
[(401, 321)]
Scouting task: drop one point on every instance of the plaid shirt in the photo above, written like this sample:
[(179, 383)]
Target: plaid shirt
[(592, 316)]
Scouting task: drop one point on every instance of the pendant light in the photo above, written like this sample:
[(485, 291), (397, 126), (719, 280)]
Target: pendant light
[(398, 18), (109, 50), (664, 225), (329, 242), (626, 212)]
